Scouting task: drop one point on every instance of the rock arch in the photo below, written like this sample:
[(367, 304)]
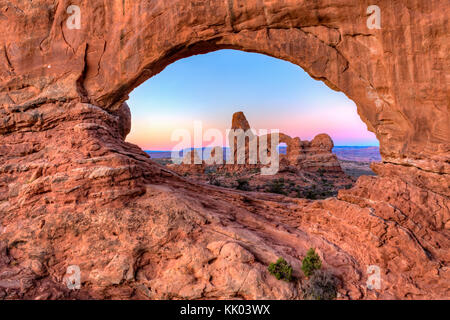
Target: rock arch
[(122, 44), (65, 169)]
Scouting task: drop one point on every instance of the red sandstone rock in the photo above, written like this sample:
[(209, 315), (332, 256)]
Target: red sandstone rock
[(300, 155), (124, 115), (72, 192), (323, 141), (240, 122)]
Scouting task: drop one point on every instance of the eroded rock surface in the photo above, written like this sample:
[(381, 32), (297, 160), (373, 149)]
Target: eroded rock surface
[(72, 192)]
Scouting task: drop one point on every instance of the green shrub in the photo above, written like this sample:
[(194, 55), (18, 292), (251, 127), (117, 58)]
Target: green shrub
[(321, 286), (210, 170), (311, 195), (281, 270), (321, 172), (277, 186), (243, 184), (311, 263), (212, 180)]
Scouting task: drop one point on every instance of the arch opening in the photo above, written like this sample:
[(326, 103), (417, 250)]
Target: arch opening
[(282, 148), (208, 90)]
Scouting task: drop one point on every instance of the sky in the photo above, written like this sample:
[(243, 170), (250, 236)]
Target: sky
[(272, 93)]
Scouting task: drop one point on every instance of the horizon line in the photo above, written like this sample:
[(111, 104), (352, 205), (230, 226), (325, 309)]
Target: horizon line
[(343, 146)]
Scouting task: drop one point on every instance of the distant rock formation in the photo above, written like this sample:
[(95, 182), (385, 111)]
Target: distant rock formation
[(240, 122), (313, 156), (304, 155)]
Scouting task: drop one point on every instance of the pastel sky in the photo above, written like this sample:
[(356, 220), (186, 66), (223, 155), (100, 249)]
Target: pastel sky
[(273, 94)]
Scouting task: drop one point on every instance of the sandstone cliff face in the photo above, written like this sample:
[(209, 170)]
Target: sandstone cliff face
[(72, 192)]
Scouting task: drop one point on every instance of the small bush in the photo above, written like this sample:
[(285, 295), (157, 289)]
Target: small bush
[(243, 184), (311, 263), (311, 195), (321, 286), (281, 270), (276, 186), (210, 170), (212, 180)]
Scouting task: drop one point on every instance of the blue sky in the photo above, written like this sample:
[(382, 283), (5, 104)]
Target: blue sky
[(273, 94)]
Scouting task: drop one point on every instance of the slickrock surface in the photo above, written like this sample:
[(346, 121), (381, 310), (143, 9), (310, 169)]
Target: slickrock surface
[(72, 192)]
